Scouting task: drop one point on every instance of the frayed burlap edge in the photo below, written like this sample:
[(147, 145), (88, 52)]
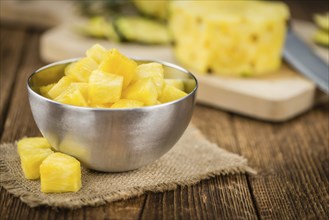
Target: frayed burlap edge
[(15, 188)]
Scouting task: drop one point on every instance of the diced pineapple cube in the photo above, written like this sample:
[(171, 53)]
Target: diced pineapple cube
[(104, 87), (178, 83), (127, 103), (171, 93), (153, 70), (75, 94), (60, 173), (81, 70), (45, 89), (60, 86), (116, 63), (32, 152), (97, 53), (143, 90)]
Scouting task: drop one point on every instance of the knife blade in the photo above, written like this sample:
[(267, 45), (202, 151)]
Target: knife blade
[(304, 60)]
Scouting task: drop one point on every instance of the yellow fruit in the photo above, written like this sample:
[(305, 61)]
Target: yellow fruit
[(152, 70), (45, 89), (97, 53), (106, 105), (127, 103), (60, 86), (143, 90), (81, 70), (104, 87), (32, 152), (116, 63), (171, 93), (178, 83), (229, 37), (75, 94), (60, 173)]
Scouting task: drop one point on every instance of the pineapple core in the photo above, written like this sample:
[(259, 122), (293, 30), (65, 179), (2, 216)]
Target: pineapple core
[(32, 152), (60, 173)]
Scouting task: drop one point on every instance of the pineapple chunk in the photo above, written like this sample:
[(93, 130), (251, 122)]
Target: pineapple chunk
[(229, 37), (81, 70), (75, 94), (127, 103), (116, 63), (97, 53), (143, 90), (153, 70), (178, 83), (45, 89), (60, 86), (171, 93), (60, 173), (32, 152), (104, 87)]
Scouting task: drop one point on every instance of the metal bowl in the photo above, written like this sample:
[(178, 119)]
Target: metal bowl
[(111, 140)]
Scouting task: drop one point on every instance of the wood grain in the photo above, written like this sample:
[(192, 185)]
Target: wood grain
[(225, 196), (292, 158), (10, 56)]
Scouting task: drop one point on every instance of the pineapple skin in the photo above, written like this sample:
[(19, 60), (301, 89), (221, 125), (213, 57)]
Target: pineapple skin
[(60, 173), (229, 37)]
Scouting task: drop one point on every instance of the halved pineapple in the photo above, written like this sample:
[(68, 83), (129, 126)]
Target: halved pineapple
[(178, 83), (97, 53), (60, 173), (152, 70), (45, 89), (143, 90), (104, 87), (60, 86), (127, 103), (75, 94), (116, 63), (81, 70), (32, 152), (171, 93)]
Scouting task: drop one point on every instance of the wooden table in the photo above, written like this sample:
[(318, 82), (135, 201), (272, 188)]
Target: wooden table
[(292, 158)]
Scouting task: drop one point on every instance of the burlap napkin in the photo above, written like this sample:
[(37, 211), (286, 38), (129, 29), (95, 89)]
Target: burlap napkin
[(192, 159)]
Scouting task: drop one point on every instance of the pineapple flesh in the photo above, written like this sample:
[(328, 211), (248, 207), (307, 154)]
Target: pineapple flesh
[(104, 87), (81, 70), (171, 93), (60, 173), (75, 94), (116, 63), (127, 103), (108, 79), (152, 70), (32, 152), (229, 37), (60, 87), (143, 90)]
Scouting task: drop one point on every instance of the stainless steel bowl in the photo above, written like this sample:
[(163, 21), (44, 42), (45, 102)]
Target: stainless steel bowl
[(111, 140)]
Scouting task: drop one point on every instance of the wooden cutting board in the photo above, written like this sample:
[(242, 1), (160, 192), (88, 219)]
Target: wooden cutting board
[(275, 97)]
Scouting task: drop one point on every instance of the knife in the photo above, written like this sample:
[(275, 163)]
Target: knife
[(303, 59)]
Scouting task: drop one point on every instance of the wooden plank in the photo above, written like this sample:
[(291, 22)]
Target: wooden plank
[(10, 55), (224, 197), (20, 123), (292, 160)]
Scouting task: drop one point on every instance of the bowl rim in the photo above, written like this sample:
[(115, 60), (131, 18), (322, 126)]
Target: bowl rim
[(67, 61)]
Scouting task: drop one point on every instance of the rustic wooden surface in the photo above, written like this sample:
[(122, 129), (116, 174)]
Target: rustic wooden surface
[(292, 158)]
